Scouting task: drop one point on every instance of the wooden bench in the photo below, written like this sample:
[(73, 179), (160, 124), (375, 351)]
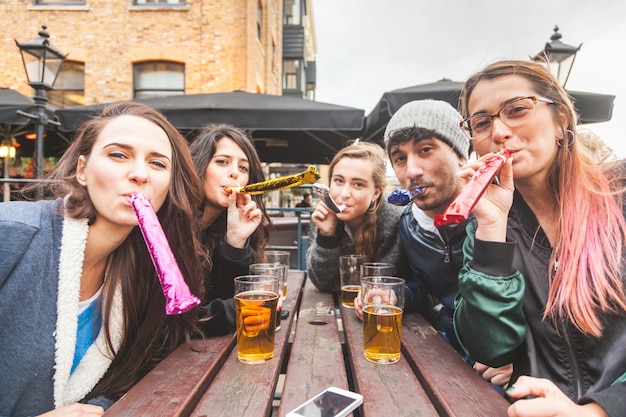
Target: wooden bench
[(176, 385), (451, 383)]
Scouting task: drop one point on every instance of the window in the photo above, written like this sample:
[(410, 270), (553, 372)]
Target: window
[(69, 88), (259, 19), (292, 12), (59, 2), (158, 78), (291, 79), (140, 2)]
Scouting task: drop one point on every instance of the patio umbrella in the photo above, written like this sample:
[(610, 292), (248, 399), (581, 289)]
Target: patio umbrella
[(391, 101), (284, 129), (10, 102), (17, 126), (591, 107)]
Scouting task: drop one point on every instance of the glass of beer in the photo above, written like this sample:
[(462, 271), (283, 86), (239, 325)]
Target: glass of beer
[(350, 277), (383, 304), (279, 257), (274, 270), (256, 298), (377, 269)]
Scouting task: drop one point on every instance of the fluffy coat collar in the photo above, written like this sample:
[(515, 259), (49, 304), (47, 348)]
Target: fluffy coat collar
[(94, 364)]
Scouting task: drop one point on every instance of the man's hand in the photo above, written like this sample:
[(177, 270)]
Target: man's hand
[(497, 376)]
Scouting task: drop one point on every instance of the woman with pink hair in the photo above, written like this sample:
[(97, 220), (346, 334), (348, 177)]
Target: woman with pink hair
[(543, 284)]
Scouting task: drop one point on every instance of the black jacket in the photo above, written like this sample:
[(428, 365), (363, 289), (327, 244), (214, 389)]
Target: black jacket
[(499, 318), (435, 265), (217, 313)]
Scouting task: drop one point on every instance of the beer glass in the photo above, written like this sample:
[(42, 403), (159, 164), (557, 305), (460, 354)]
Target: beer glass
[(256, 298), (377, 269), (350, 277), (274, 270), (282, 258), (383, 304)]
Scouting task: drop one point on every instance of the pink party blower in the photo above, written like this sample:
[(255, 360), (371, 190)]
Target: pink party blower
[(178, 298)]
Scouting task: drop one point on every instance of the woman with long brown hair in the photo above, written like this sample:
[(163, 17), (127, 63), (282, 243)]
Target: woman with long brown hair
[(82, 313), (544, 286)]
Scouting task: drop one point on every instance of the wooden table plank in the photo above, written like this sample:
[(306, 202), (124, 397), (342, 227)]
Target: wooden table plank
[(247, 390), (175, 385), (316, 361), (453, 386), (388, 390)]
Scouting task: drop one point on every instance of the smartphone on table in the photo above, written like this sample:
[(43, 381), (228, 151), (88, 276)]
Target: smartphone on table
[(332, 402)]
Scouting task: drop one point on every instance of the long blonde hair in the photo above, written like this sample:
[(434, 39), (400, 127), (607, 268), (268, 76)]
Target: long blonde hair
[(365, 236), (590, 225)]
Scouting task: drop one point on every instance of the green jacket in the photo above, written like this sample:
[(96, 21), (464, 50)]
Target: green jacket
[(503, 289)]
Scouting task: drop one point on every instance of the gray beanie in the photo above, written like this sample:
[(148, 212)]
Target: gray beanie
[(435, 115)]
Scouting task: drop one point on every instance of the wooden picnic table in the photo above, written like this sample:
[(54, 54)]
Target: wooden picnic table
[(319, 345)]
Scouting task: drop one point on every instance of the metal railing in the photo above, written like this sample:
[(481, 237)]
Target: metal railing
[(23, 181), (302, 242)]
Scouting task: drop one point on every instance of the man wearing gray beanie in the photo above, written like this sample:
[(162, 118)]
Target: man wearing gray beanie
[(427, 147)]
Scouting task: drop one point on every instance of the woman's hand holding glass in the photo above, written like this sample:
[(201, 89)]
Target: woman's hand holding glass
[(375, 296)]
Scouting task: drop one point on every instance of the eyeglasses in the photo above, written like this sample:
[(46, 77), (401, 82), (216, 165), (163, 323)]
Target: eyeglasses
[(513, 114)]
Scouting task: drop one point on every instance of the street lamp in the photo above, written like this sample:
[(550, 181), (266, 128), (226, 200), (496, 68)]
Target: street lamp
[(559, 56), (42, 63), (7, 152)]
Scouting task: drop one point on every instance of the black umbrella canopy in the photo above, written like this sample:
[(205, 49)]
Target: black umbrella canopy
[(285, 129), (391, 101), (591, 107), (14, 125), (10, 102)]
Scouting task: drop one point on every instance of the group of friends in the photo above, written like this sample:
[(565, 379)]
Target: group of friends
[(530, 289)]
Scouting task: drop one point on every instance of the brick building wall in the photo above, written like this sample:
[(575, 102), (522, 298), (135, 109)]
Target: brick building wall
[(215, 39)]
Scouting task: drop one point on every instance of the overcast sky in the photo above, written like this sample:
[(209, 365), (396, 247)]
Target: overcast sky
[(367, 47)]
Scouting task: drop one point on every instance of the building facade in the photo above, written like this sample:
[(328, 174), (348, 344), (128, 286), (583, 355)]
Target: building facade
[(125, 49)]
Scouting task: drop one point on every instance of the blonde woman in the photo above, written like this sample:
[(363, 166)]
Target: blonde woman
[(368, 225)]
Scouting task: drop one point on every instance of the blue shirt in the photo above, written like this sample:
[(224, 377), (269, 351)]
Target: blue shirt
[(89, 323)]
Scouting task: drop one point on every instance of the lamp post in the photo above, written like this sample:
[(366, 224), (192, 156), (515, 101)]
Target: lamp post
[(7, 152), (42, 63), (559, 56)]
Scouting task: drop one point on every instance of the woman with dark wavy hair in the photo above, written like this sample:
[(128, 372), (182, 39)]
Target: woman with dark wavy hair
[(82, 311), (545, 284), (233, 228)]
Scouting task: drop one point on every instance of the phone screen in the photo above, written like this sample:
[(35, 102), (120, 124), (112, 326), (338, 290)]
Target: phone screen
[(327, 405)]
